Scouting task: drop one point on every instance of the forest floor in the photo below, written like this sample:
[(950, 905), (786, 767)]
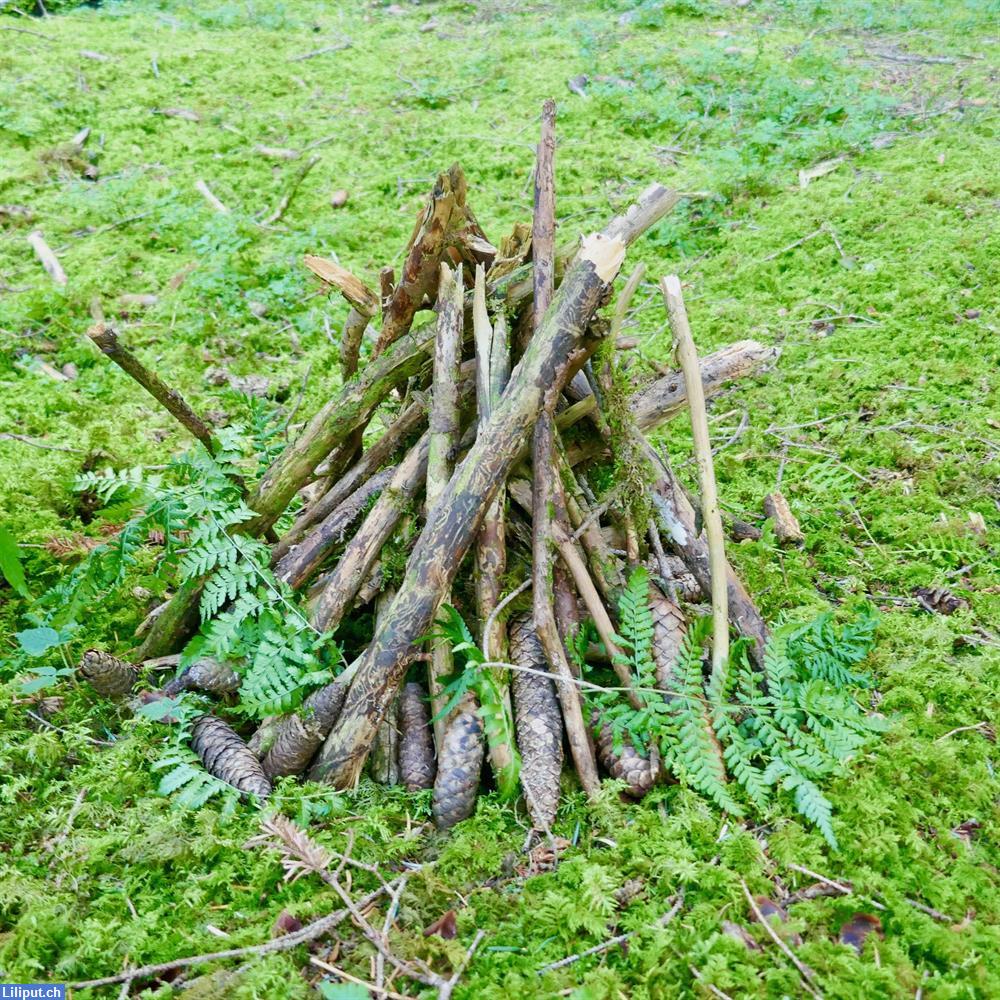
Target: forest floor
[(877, 279)]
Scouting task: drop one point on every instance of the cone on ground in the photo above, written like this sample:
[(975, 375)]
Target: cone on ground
[(227, 757)]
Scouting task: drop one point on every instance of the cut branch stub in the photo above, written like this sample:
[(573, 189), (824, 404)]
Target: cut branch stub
[(354, 290), (420, 270), (107, 340), (227, 757), (786, 526)]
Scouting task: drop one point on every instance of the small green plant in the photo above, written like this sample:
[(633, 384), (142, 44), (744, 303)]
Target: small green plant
[(473, 676), (782, 729)]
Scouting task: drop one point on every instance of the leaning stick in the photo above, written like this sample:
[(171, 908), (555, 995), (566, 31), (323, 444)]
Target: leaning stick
[(676, 519), (687, 357), (543, 501), (107, 340), (301, 561), (355, 477), (543, 223), (493, 371), (343, 584), (444, 431), (47, 257)]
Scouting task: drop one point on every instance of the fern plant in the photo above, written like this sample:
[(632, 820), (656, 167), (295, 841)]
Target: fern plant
[(192, 510), (779, 732)]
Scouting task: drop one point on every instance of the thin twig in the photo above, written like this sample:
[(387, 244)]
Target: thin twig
[(305, 934), (35, 443), (494, 614), (804, 970), (978, 726), (339, 47), (618, 939), (286, 198), (445, 991), (378, 990), (206, 192), (66, 732)]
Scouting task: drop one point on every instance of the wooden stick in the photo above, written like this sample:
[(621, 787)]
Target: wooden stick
[(47, 257), (302, 936), (206, 192), (804, 970), (490, 556), (543, 502), (352, 480), (444, 430), (420, 270), (107, 340), (363, 549), (543, 225), (301, 561), (625, 300), (687, 357)]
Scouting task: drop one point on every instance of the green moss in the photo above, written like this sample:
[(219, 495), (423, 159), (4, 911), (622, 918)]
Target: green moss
[(882, 393)]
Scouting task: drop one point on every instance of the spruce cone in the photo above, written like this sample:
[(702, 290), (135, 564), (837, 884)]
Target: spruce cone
[(416, 744), (538, 721), (640, 773), (227, 757), (669, 630), (298, 736), (459, 764), (108, 675), (205, 675)]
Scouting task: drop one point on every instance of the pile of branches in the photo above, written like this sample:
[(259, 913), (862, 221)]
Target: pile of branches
[(506, 411)]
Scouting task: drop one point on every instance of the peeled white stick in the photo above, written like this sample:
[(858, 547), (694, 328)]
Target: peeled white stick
[(206, 192), (687, 358), (49, 260)]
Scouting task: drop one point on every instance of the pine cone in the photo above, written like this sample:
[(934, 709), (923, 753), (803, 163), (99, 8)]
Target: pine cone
[(538, 721), (227, 757), (205, 675), (295, 743), (297, 737), (628, 765), (459, 764), (416, 744), (669, 630), (108, 675)]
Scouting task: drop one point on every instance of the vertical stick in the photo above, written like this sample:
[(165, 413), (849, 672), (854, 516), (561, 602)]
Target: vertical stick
[(492, 372), (687, 358), (444, 429), (543, 225), (543, 502)]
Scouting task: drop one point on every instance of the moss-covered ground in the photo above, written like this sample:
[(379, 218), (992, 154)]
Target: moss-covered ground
[(878, 281)]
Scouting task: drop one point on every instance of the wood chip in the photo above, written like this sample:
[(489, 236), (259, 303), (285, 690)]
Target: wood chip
[(786, 527)]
